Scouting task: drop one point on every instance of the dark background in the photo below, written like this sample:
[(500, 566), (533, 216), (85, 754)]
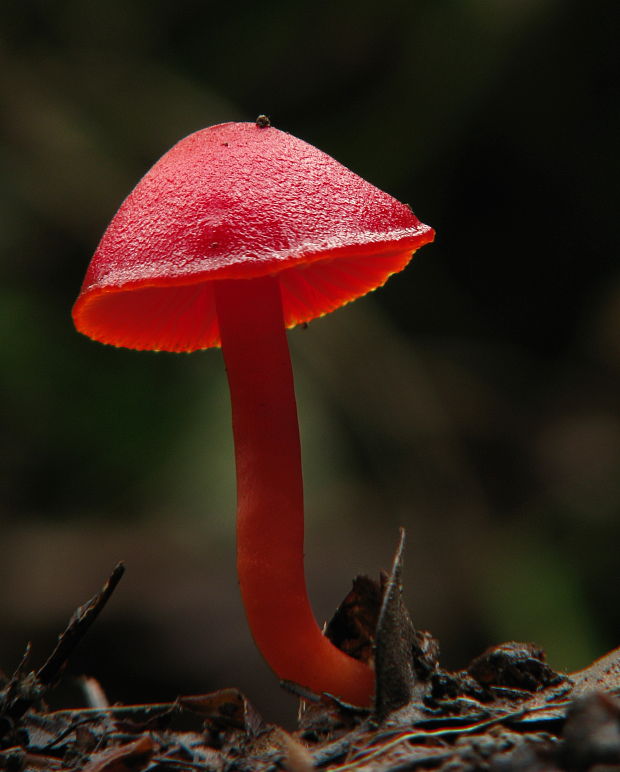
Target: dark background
[(474, 399)]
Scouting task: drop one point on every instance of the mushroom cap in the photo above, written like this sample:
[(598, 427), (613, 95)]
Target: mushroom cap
[(239, 201)]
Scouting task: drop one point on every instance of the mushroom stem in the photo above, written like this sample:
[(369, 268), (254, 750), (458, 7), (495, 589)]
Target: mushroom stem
[(270, 511)]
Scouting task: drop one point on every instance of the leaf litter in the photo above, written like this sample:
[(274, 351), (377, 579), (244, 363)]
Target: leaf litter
[(508, 710)]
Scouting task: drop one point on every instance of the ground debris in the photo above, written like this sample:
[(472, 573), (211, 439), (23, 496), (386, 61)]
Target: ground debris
[(508, 711)]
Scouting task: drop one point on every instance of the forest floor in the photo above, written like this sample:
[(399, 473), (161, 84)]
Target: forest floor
[(508, 710)]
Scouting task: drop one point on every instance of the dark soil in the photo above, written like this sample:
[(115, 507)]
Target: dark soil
[(508, 710)]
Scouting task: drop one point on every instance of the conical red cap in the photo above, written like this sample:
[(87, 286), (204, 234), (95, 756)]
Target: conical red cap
[(239, 201)]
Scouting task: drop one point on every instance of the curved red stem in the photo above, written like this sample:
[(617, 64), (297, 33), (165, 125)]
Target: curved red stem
[(270, 512)]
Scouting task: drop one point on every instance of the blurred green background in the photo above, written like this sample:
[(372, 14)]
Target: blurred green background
[(473, 400)]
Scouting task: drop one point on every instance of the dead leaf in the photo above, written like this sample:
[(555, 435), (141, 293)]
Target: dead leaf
[(130, 757)]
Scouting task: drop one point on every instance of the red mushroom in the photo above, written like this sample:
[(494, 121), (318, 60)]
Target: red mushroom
[(237, 233)]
